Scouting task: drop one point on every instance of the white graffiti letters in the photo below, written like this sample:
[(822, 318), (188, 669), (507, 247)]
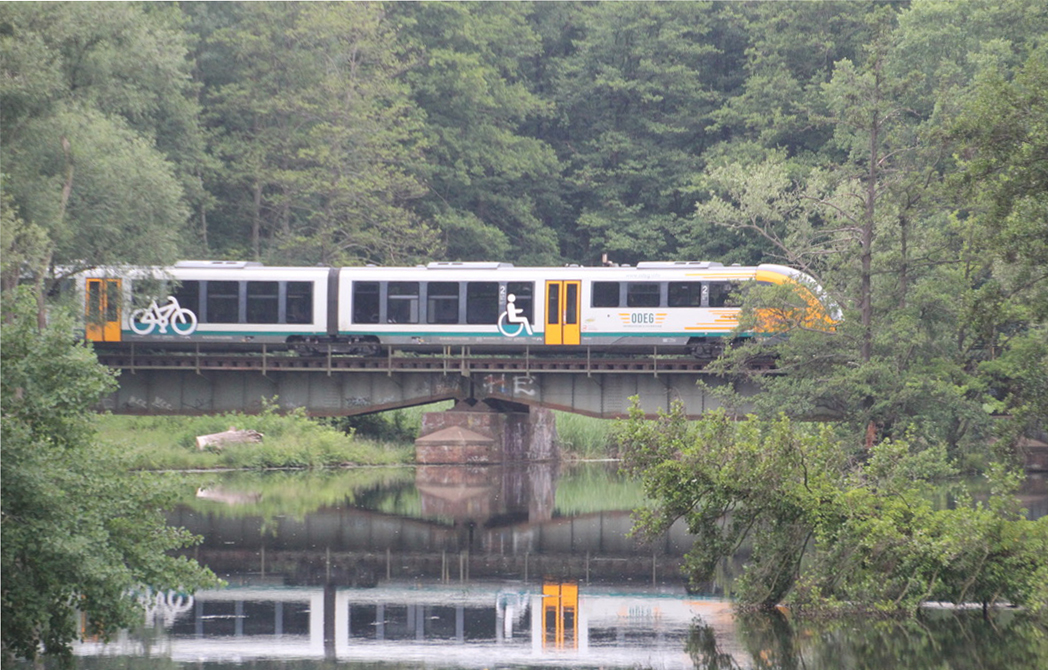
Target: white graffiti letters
[(498, 385), (523, 385)]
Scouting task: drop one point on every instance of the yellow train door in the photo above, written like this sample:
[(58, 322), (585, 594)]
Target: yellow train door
[(103, 310), (560, 615), (563, 302)]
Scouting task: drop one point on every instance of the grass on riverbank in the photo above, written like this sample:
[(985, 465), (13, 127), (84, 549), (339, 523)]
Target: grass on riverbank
[(295, 441), (272, 493), (290, 440), (584, 436)]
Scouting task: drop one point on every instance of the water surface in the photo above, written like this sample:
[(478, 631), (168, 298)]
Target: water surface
[(483, 567)]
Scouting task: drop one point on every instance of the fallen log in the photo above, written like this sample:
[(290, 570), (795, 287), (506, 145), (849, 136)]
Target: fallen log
[(221, 495), (231, 436)]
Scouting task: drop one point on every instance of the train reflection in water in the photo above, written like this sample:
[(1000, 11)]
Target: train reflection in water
[(484, 625), (442, 567)]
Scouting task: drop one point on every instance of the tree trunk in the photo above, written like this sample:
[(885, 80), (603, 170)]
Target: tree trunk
[(256, 222), (866, 284)]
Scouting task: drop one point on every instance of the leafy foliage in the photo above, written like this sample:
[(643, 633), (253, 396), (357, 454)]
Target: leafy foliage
[(99, 129), (80, 533), (936, 307), (488, 181), (315, 133), (824, 528)]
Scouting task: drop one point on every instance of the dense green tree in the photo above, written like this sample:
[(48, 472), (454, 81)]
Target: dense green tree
[(791, 52), (1004, 180), (635, 98), (315, 134), (80, 533), (488, 182), (98, 113), (869, 218)]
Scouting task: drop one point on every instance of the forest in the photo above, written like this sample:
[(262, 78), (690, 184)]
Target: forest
[(895, 151)]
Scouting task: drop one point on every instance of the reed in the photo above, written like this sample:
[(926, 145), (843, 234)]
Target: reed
[(584, 436)]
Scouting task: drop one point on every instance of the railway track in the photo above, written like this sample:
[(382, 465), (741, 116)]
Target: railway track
[(458, 363)]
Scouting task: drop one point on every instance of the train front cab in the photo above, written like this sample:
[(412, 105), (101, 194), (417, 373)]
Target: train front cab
[(815, 314)]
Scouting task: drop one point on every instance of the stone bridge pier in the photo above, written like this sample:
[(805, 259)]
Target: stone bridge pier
[(487, 431)]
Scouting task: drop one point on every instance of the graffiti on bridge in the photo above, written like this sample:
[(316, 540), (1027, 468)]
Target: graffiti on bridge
[(515, 386)]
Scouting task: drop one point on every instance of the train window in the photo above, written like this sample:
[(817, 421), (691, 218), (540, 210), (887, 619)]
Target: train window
[(113, 299), (64, 286), (299, 307), (482, 302), (365, 302), (685, 294), (94, 300), (402, 302), (187, 294), (552, 304), (721, 294), (605, 294), (523, 293), (642, 294), (442, 302), (223, 301), (263, 304), (571, 303)]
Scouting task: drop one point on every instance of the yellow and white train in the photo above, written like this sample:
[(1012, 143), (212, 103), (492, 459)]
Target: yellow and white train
[(676, 307)]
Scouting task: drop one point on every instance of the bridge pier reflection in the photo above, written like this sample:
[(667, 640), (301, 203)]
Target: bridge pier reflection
[(471, 522)]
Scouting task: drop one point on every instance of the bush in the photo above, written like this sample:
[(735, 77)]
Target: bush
[(79, 530), (831, 527)]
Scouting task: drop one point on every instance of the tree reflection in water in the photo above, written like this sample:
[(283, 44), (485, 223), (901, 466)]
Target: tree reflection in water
[(936, 639), (441, 541)]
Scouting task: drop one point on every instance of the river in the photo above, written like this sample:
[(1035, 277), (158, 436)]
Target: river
[(511, 567)]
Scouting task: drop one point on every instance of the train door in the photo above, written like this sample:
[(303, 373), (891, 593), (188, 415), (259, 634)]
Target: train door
[(560, 615), (563, 300), (103, 310)]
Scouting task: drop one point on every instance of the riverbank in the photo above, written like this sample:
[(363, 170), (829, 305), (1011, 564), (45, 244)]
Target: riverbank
[(296, 441), (289, 441)]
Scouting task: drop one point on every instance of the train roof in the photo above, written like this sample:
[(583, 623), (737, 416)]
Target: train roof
[(459, 270)]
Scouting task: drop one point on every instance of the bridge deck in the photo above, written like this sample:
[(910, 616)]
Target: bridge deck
[(207, 382)]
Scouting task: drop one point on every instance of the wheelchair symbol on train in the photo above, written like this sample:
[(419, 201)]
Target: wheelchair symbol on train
[(513, 316)]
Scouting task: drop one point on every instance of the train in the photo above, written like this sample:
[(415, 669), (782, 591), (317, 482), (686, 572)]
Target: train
[(672, 307)]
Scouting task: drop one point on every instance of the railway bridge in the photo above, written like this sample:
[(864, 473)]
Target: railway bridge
[(328, 385)]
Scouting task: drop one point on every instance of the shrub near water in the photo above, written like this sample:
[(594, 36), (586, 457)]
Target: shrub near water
[(290, 440), (831, 528)]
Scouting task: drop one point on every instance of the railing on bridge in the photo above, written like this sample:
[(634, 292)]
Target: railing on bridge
[(453, 360)]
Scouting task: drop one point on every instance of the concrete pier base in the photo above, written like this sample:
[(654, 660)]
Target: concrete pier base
[(486, 431)]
